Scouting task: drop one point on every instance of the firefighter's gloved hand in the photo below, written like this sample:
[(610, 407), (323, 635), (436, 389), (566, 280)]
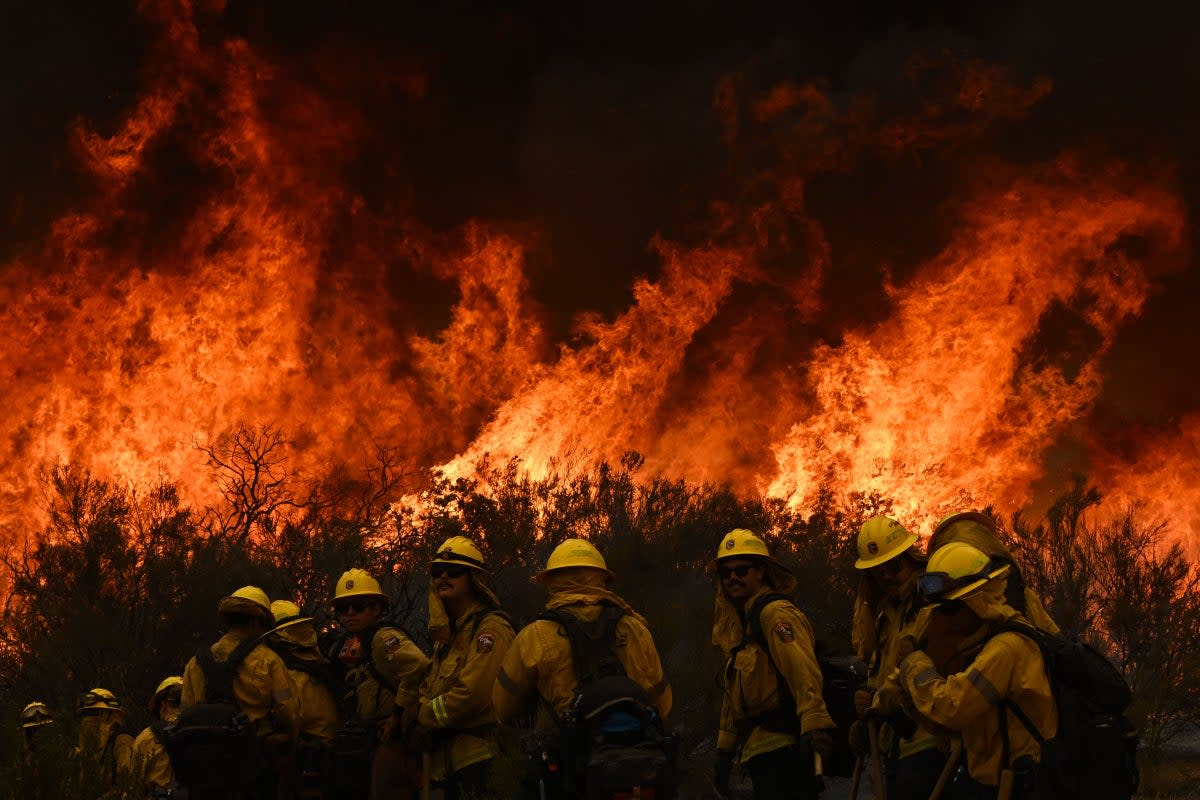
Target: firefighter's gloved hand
[(722, 771), (821, 743), (862, 701)]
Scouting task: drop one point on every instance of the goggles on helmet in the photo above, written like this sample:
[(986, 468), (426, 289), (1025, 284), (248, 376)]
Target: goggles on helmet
[(933, 586), (94, 700), (35, 715)]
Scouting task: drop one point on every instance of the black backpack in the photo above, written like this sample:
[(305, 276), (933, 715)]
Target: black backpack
[(212, 745), (841, 677), (1094, 753), (613, 738)]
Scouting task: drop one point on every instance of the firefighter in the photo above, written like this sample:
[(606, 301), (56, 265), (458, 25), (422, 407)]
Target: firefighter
[(151, 765), (34, 717), (773, 717), (539, 668), (294, 640), (888, 615), (384, 670), (454, 715), (966, 588), (105, 751), (982, 532), (261, 688)]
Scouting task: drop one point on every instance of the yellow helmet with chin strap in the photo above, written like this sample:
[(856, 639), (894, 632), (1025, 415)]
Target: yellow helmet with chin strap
[(880, 539), (957, 569), (35, 715), (461, 551), (574, 553)]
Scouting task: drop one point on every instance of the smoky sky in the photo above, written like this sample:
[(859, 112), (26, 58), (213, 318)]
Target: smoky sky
[(594, 127)]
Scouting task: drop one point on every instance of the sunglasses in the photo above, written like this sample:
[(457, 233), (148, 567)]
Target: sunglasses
[(741, 570), (352, 606), (449, 570)]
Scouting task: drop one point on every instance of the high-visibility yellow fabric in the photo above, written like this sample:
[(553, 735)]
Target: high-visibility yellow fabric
[(318, 708), (883, 632), (1009, 666), (400, 662), (151, 765), (984, 538), (539, 665), (751, 684), (262, 688), (106, 755), (456, 695)]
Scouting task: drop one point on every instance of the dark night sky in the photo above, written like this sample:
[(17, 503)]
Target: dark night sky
[(595, 126)]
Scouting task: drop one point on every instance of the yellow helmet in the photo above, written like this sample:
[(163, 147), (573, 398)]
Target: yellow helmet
[(740, 543), (965, 516), (247, 600), (957, 569), (574, 553), (881, 539), (357, 583), (460, 550), (97, 701), (35, 715), (287, 614), (169, 683)]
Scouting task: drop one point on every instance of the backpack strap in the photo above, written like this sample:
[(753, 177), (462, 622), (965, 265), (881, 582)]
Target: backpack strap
[(1037, 637), (319, 671), (219, 675), (782, 717), (593, 644)]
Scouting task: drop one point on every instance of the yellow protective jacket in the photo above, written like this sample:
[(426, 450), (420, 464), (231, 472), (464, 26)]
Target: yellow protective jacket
[(883, 633), (391, 678), (751, 683), (318, 708), (106, 754), (151, 765), (456, 695), (262, 688), (1008, 667), (539, 663)]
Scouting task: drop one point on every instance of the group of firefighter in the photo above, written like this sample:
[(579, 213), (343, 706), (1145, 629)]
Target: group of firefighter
[(365, 713)]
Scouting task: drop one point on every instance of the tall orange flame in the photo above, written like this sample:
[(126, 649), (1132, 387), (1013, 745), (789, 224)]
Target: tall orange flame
[(264, 295)]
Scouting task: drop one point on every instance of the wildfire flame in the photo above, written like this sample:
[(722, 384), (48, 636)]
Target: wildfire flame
[(269, 303)]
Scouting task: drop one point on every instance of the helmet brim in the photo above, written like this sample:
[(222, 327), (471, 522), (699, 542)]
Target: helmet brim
[(963, 591), (883, 558), (544, 574)]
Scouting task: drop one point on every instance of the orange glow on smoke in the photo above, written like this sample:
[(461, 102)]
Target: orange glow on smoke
[(124, 350)]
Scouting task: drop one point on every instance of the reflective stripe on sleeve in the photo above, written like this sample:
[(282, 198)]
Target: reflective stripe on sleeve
[(984, 686), (438, 706)]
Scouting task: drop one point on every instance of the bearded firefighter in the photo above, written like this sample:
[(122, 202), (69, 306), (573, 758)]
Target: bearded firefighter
[(453, 720), (773, 718)]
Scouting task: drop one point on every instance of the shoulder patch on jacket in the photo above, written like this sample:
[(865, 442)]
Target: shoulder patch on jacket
[(391, 642), (485, 642), (784, 631)]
